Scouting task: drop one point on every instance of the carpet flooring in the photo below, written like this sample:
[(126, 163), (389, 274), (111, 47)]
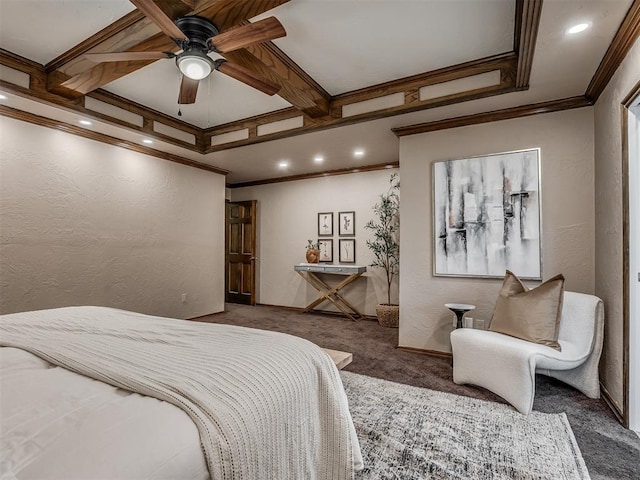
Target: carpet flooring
[(610, 451)]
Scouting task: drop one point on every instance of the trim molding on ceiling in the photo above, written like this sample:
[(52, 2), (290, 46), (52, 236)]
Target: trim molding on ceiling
[(328, 173), (409, 87), (527, 23), (624, 39), (103, 138), (495, 116), (37, 91), (311, 102)]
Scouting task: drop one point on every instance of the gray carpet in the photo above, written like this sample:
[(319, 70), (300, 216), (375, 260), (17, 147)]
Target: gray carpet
[(413, 433), (610, 451)]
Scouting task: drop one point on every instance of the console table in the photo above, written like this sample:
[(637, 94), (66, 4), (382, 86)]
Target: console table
[(309, 272)]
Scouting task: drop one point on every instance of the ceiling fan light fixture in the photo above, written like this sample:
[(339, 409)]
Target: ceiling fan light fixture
[(195, 64)]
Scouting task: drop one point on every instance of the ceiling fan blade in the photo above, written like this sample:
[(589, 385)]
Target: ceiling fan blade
[(247, 76), (157, 16), (188, 90), (125, 56), (244, 35), (227, 13)]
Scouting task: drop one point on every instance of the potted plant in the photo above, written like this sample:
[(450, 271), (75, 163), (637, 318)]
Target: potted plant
[(313, 252), (386, 247)]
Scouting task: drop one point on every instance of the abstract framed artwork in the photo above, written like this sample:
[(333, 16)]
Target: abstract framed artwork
[(346, 223), (325, 224), (486, 216), (326, 249), (347, 250)]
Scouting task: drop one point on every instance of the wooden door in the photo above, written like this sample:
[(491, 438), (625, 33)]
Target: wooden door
[(240, 258)]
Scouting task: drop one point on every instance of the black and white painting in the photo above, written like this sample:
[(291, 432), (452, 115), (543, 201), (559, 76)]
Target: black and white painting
[(487, 215)]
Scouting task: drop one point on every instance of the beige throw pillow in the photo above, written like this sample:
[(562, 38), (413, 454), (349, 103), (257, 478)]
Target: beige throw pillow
[(532, 315)]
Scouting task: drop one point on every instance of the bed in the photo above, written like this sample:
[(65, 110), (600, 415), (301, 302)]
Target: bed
[(101, 393)]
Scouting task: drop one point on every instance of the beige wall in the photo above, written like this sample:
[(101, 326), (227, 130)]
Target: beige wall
[(287, 217), (608, 206), (84, 223), (566, 142)]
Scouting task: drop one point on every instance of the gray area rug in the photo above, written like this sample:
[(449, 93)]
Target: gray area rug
[(412, 433)]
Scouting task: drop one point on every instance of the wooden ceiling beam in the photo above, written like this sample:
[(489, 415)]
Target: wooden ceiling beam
[(297, 87), (505, 63), (72, 75), (38, 92), (525, 36)]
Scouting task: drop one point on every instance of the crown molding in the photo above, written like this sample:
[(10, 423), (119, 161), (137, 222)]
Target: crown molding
[(623, 40), (327, 173), (494, 116), (103, 138)]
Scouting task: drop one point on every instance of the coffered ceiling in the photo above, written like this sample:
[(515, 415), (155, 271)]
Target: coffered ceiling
[(348, 70)]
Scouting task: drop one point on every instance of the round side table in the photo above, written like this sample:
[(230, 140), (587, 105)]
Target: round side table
[(459, 309)]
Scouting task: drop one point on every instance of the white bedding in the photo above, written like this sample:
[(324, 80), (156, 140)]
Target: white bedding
[(266, 405), (57, 424)]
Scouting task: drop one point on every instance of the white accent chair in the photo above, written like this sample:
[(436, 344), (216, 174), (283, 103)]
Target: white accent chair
[(507, 365)]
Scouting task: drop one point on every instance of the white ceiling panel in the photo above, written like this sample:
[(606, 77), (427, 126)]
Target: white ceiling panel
[(220, 99), (351, 44), (41, 30)]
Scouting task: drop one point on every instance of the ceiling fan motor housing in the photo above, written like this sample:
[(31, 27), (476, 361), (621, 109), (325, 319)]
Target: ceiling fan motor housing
[(198, 30)]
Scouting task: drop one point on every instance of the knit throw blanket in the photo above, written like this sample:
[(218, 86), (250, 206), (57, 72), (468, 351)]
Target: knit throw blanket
[(267, 405)]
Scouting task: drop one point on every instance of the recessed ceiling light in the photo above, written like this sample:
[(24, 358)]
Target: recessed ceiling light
[(580, 27), (147, 141), (3, 97), (389, 166), (358, 152), (318, 159), (283, 164), (84, 122)]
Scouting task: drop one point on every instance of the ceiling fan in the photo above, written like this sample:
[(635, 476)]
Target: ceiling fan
[(197, 36)]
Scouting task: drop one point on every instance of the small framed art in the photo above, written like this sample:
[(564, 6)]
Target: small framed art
[(325, 224), (346, 224), (347, 252), (326, 249)]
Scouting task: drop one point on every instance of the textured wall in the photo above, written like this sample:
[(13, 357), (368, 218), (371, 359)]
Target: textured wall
[(84, 223), (566, 142), (287, 217), (608, 186)]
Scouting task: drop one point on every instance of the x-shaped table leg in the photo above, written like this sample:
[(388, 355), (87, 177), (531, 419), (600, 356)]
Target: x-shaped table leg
[(332, 294)]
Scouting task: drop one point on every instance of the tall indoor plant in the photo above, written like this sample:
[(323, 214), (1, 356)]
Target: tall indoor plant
[(385, 246)]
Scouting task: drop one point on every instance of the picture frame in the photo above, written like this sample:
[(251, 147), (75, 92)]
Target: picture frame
[(347, 250), (325, 224), (346, 223), (325, 246), (487, 216)]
